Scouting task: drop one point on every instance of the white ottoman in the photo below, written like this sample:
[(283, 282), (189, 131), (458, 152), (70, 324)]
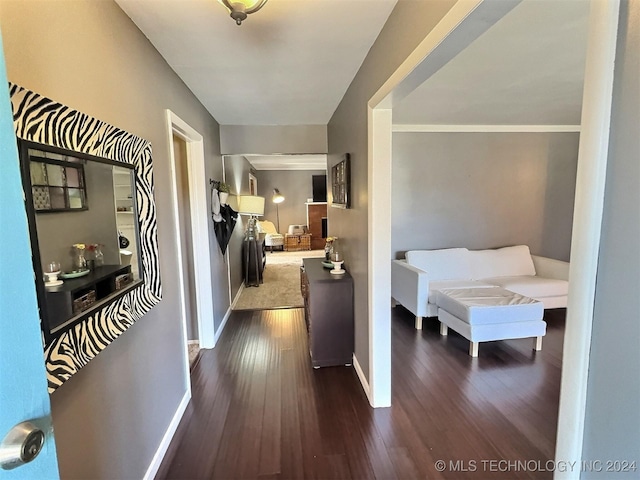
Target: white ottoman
[(488, 314)]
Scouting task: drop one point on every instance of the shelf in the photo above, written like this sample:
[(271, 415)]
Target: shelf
[(100, 284)]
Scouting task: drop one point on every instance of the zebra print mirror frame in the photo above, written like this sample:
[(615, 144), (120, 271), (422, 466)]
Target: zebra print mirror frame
[(42, 120)]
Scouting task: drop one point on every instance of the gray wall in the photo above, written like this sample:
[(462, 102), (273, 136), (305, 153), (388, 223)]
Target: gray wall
[(296, 187), (268, 139), (110, 417), (408, 24), (58, 231), (612, 424), (236, 171), (483, 190)]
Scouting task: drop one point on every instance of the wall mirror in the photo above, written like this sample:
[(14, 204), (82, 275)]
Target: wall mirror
[(83, 228), (88, 193)]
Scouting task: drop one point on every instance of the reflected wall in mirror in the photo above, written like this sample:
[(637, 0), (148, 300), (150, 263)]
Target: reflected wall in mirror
[(92, 219)]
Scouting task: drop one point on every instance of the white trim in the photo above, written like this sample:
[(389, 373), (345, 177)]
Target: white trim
[(379, 243), (485, 128), (587, 226), (152, 470), (222, 325), (235, 300), (199, 224), (226, 253), (228, 314), (362, 378)]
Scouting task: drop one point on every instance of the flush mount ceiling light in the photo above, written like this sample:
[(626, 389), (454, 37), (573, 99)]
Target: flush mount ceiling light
[(239, 9)]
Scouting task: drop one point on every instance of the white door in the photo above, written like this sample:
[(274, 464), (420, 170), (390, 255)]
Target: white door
[(23, 385)]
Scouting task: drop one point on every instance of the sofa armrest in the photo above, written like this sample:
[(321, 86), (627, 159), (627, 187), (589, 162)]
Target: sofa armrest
[(410, 287), (551, 268)]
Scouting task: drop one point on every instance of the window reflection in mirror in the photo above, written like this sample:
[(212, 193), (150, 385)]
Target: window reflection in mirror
[(83, 222)]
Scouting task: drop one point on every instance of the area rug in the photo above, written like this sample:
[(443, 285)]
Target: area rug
[(281, 286)]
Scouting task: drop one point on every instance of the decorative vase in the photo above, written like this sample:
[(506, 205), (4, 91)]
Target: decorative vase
[(224, 196), (98, 255), (328, 251), (80, 262)]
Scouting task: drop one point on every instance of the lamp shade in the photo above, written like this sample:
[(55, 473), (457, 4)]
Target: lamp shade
[(277, 196), (251, 205)]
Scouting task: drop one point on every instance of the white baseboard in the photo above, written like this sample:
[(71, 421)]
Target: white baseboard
[(168, 436), (222, 325), (227, 315), (235, 300), (363, 379)]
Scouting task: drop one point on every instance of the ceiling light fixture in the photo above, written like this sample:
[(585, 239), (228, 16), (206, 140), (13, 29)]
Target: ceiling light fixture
[(239, 9)]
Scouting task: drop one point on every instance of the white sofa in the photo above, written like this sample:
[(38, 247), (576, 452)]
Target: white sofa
[(416, 280)]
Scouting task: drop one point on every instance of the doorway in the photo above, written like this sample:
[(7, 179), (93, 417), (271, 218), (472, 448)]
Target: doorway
[(587, 215), (181, 162), (189, 195)]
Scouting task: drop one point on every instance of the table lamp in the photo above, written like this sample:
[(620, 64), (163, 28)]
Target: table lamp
[(253, 206)]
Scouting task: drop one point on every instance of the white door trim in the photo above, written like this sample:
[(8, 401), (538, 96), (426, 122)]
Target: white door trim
[(379, 246), (587, 215), (199, 225), (587, 226)]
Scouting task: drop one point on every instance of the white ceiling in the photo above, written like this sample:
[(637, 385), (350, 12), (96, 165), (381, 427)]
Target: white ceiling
[(288, 162), (527, 69), (288, 64)]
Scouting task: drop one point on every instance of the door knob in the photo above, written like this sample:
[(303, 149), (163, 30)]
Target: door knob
[(21, 445)]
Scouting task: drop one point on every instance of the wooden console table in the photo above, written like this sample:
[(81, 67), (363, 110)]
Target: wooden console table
[(328, 308)]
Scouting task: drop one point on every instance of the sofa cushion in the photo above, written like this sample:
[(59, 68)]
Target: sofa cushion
[(446, 264), (435, 287), (530, 286), (478, 306), (503, 262)]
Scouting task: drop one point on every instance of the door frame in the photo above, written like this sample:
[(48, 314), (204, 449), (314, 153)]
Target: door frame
[(452, 33), (199, 231)]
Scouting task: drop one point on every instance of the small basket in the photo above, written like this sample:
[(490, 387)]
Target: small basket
[(123, 280), (80, 304)]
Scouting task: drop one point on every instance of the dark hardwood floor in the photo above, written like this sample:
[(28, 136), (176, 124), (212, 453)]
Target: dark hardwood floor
[(260, 411)]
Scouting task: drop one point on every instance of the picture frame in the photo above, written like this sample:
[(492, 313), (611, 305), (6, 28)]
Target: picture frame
[(341, 183)]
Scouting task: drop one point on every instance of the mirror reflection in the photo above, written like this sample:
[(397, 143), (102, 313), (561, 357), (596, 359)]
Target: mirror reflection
[(84, 232)]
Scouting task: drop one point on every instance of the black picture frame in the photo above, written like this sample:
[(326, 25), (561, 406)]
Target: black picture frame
[(341, 183)]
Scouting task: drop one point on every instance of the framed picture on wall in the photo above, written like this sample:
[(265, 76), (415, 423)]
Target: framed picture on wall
[(253, 184), (341, 183)]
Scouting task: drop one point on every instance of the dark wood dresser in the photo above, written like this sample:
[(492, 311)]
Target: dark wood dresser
[(328, 301)]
